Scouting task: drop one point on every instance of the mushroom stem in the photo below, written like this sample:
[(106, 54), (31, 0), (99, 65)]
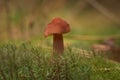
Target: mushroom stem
[(58, 46)]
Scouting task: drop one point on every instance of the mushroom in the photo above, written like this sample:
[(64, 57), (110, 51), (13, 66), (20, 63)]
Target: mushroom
[(57, 27)]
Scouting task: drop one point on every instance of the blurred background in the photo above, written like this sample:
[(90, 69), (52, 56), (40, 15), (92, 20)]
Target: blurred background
[(91, 21)]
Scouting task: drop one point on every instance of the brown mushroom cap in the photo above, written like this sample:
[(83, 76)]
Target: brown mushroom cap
[(57, 26)]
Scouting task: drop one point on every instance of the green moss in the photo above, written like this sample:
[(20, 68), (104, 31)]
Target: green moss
[(29, 62)]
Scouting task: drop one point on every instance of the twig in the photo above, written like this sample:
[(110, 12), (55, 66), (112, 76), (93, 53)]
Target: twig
[(107, 69), (8, 17), (104, 11), (89, 37)]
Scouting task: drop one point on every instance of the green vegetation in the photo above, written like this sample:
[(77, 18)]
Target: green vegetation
[(26, 62)]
